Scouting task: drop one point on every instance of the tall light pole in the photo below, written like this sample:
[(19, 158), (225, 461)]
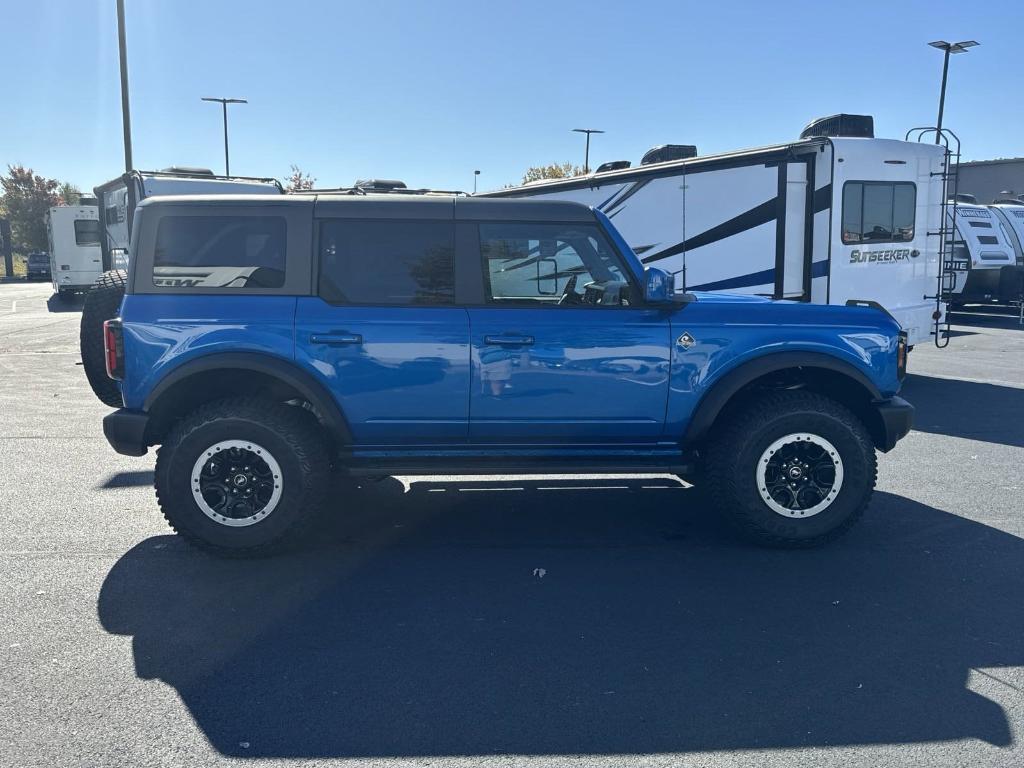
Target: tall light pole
[(224, 104), (948, 48), (586, 156), (476, 175), (126, 120)]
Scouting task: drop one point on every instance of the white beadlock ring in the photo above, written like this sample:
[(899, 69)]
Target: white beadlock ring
[(247, 445), (762, 465)]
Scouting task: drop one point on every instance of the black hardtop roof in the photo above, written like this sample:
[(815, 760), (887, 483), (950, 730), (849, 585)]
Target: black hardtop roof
[(393, 206)]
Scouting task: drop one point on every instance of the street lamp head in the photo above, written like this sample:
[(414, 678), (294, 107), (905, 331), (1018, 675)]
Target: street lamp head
[(476, 173), (960, 47), (224, 101), (586, 130)]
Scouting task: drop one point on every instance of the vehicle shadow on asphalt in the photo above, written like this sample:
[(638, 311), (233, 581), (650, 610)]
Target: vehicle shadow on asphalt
[(988, 412), (470, 618), (133, 479), (57, 304)]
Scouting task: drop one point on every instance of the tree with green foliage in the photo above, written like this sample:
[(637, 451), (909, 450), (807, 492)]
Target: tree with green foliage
[(69, 193), (26, 199), (552, 171)]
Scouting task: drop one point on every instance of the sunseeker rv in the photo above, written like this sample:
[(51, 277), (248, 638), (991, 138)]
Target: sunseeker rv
[(118, 198), (829, 219)]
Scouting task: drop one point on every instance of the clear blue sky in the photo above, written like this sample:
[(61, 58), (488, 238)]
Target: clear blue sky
[(429, 91)]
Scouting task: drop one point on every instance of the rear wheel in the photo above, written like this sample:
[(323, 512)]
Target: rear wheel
[(243, 477), (102, 302), (791, 469)]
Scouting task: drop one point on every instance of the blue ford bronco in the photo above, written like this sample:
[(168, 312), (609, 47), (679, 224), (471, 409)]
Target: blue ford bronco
[(265, 343)]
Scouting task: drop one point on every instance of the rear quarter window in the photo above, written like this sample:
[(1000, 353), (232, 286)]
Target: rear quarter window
[(228, 252)]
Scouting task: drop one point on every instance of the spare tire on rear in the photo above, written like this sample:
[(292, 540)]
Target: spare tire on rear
[(102, 302)]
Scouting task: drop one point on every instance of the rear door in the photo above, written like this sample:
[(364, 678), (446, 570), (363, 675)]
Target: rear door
[(382, 331), (563, 350)]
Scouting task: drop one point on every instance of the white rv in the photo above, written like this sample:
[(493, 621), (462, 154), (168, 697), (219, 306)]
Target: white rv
[(984, 258), (826, 219), (117, 199), (74, 235)]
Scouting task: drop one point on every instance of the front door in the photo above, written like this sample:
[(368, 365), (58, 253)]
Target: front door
[(563, 350)]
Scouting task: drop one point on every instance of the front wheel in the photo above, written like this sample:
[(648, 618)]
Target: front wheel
[(791, 469), (243, 477)]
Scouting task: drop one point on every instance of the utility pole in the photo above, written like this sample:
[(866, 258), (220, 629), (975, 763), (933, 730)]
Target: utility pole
[(476, 175), (224, 104), (947, 48), (586, 156), (126, 120)]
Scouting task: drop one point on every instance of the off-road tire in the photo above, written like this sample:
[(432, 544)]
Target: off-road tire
[(102, 302), (294, 438), (737, 446)]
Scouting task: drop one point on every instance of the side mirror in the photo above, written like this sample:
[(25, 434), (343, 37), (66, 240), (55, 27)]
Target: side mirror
[(658, 286)]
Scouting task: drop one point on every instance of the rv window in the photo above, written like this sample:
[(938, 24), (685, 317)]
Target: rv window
[(387, 262), (87, 232), (878, 212), (220, 252), (551, 264)]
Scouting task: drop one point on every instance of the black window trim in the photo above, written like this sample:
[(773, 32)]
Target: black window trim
[(321, 220), (636, 290), (874, 183)]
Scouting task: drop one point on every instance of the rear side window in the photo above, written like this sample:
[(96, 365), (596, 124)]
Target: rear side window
[(387, 262), (87, 232), (220, 252), (878, 212)]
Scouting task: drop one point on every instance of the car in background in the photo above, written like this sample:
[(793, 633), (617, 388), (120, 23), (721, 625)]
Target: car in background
[(37, 266)]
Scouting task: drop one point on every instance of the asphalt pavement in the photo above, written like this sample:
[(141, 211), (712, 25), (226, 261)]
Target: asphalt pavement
[(512, 620)]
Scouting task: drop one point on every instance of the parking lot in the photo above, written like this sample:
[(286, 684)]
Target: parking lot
[(507, 620)]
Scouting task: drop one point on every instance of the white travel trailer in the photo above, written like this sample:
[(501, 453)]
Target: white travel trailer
[(827, 219), (74, 235), (117, 198), (984, 260)]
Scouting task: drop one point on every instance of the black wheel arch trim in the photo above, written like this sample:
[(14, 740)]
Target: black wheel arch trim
[(722, 391), (285, 371)]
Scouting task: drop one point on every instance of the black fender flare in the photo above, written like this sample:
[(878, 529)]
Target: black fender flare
[(727, 385), (285, 371)]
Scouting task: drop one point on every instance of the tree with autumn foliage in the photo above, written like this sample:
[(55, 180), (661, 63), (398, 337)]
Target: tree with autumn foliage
[(26, 199), (299, 181), (552, 171)]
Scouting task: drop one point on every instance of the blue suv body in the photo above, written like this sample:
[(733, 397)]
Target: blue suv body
[(396, 334)]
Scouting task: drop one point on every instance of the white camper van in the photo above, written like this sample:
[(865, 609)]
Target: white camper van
[(74, 235), (829, 219), (984, 259)]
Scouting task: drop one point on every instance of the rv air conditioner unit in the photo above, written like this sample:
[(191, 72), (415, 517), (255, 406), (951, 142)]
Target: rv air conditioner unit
[(379, 185), (857, 126), (187, 170), (667, 152), (614, 165)]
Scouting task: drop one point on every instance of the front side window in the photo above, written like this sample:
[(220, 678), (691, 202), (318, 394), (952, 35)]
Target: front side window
[(87, 232), (387, 262), (220, 252), (551, 265), (878, 212)]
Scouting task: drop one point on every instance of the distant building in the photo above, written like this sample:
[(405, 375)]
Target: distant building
[(989, 180)]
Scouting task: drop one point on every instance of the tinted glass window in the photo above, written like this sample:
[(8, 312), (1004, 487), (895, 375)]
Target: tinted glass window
[(878, 212), (551, 264), (220, 252), (87, 232), (387, 262)]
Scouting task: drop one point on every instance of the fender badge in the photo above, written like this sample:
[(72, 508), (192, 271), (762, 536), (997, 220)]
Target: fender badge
[(686, 340)]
